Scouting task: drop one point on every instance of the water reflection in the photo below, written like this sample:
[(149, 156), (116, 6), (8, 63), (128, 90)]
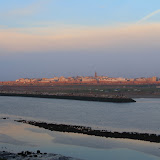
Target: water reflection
[(109, 116), (17, 137)]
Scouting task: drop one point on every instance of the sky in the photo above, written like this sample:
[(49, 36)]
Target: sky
[(48, 38)]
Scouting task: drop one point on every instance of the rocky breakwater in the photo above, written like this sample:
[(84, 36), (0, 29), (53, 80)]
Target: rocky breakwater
[(72, 96), (89, 131)]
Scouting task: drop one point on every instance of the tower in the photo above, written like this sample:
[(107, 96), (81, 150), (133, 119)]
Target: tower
[(95, 74)]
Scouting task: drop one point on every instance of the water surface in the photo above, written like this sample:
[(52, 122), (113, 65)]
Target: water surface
[(142, 116)]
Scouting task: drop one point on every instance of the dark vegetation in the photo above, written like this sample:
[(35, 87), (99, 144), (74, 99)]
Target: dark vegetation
[(3, 159)]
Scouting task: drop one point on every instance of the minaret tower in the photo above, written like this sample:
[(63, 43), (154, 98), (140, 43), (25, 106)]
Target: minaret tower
[(95, 74)]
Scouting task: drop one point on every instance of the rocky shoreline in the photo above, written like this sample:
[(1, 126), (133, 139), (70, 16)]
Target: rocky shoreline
[(89, 131), (82, 97), (28, 155)]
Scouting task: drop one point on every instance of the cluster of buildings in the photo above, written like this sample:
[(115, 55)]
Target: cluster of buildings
[(91, 79)]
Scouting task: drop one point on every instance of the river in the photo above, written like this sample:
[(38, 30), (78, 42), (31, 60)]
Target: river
[(142, 116)]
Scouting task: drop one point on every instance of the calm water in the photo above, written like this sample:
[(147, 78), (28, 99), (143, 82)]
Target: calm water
[(143, 116)]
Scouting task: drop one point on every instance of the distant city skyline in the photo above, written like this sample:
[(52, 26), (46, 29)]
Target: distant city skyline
[(95, 75), (68, 38), (84, 80)]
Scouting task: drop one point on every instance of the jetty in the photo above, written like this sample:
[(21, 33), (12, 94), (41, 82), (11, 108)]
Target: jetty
[(89, 131), (73, 96)]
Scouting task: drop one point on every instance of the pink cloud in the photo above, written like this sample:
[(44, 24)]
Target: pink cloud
[(86, 38)]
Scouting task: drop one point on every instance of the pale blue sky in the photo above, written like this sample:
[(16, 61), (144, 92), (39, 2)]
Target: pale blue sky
[(45, 38), (20, 13)]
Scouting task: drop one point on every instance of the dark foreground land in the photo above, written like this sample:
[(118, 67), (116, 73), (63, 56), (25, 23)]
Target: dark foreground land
[(89, 131)]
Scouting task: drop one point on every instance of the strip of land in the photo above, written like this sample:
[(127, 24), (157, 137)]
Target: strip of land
[(90, 90), (89, 131), (114, 99)]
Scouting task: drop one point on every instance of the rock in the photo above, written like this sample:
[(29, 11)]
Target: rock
[(38, 152)]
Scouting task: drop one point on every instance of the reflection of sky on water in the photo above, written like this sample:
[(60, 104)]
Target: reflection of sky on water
[(142, 116), (148, 100), (16, 137)]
